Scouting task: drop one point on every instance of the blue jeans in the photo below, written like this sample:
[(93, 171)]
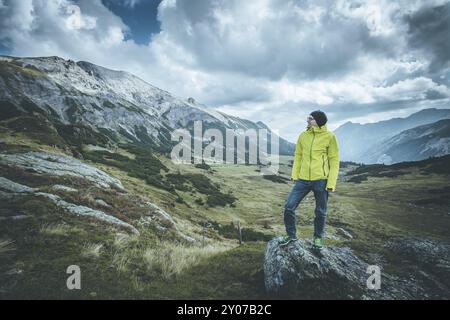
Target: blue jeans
[(298, 192)]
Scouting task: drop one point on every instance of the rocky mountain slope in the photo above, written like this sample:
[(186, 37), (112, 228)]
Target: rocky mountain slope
[(356, 140), (108, 199), (297, 270), (115, 104), (168, 237), (431, 140)]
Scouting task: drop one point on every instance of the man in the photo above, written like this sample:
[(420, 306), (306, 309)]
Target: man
[(315, 168)]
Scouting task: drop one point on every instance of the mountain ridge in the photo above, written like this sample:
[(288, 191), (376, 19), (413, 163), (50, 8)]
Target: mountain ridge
[(418, 143), (358, 140), (117, 101)]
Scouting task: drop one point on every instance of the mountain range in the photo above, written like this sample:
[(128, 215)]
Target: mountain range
[(115, 105), (416, 137), (86, 103), (85, 180), (418, 143)]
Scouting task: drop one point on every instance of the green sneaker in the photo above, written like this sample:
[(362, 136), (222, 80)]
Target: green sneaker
[(318, 243), (286, 240)]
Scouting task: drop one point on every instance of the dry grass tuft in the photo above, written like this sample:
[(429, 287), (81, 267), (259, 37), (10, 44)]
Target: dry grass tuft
[(172, 259)]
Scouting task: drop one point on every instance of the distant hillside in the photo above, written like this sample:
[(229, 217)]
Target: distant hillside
[(419, 143), (356, 140), (112, 106), (436, 165)]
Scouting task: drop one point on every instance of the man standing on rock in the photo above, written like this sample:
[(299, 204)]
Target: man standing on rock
[(316, 167)]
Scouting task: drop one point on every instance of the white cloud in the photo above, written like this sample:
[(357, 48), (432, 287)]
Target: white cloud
[(77, 21), (269, 60), (409, 89)]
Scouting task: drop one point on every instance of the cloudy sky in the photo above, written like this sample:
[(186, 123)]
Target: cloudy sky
[(268, 60)]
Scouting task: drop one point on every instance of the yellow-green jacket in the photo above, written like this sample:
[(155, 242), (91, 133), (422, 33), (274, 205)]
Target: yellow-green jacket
[(317, 156)]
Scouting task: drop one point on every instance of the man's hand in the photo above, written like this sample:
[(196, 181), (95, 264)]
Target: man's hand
[(329, 190)]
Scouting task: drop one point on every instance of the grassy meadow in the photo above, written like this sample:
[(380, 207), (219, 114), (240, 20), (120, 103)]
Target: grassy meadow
[(36, 250)]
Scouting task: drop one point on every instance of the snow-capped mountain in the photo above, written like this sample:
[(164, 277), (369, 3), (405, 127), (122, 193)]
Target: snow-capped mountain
[(356, 140), (115, 102), (422, 142)]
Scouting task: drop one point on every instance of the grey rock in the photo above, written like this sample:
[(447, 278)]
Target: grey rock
[(14, 188), (344, 233), (429, 258), (164, 221), (102, 203), (424, 251), (156, 214), (298, 271), (89, 212), (9, 186), (162, 215), (59, 165), (59, 187)]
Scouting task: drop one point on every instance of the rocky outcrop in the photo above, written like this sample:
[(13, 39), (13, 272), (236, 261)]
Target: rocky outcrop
[(344, 233), (435, 254), (429, 263), (154, 215), (163, 221), (59, 165), (298, 271), (85, 94), (46, 163), (10, 188), (59, 187)]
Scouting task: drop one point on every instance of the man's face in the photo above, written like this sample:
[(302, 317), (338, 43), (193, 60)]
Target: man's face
[(311, 121)]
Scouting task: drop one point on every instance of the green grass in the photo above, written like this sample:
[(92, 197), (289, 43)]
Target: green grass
[(144, 166), (156, 265), (38, 128), (232, 274), (147, 167), (138, 267), (7, 69)]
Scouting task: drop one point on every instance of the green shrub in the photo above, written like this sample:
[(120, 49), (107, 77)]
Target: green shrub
[(220, 199), (145, 166)]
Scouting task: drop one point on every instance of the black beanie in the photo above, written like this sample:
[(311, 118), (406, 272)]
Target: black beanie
[(320, 117)]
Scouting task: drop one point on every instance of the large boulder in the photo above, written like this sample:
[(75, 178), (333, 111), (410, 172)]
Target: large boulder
[(298, 271), (9, 189), (60, 165)]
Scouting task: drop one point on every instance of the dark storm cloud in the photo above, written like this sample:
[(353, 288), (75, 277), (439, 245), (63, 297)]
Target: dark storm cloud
[(429, 30), (269, 60), (299, 40)]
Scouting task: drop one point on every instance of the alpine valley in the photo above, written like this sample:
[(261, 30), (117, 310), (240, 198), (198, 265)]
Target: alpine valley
[(86, 180)]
